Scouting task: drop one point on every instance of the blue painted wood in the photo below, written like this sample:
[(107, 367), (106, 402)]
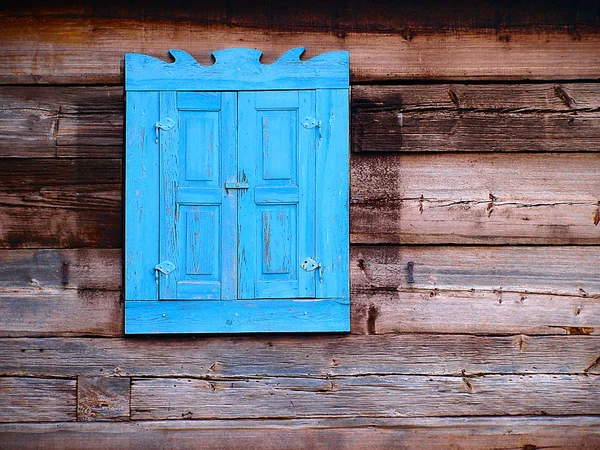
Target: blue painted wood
[(276, 213), (198, 216), (333, 191), (237, 316), (141, 193), (237, 69), (169, 174), (237, 189)]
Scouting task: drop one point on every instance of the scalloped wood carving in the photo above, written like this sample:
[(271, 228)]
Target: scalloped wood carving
[(237, 69)]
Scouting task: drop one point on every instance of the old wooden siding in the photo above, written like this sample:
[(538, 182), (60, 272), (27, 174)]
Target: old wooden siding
[(475, 155)]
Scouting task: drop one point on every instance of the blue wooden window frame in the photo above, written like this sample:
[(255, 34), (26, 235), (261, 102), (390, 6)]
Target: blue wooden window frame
[(150, 86)]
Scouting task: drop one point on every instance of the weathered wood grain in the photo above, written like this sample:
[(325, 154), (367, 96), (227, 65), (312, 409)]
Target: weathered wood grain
[(40, 227), (37, 400), (369, 396), (436, 311), (77, 121), (42, 269), (480, 198), (50, 311), (57, 50), (350, 16), (88, 312), (285, 356), (528, 432), (459, 117), (523, 269), (60, 203), (531, 290), (82, 121), (102, 398), (523, 98), (416, 199)]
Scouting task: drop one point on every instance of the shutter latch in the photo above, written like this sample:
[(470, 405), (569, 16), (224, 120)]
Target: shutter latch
[(165, 124), (166, 267), (311, 122), (236, 185)]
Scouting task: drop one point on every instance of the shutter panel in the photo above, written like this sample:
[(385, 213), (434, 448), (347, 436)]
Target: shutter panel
[(224, 166), (276, 213), (198, 216), (141, 194)]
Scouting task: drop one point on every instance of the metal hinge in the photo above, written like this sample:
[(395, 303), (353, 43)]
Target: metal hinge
[(165, 267), (310, 264), (311, 122), (165, 124)]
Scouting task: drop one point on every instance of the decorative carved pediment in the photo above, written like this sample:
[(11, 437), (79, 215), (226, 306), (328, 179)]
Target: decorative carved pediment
[(237, 69)]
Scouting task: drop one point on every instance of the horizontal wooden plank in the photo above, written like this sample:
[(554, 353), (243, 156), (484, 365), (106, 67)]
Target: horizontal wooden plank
[(50, 181), (351, 16), (528, 432), (492, 312), (549, 270), (370, 396), (72, 312), (531, 290), (60, 203), (41, 227), (103, 398), (57, 50), (207, 316), (49, 311), (459, 117), (37, 400), (62, 121), (523, 98), (481, 198), (77, 121), (414, 199), (292, 356), (43, 269)]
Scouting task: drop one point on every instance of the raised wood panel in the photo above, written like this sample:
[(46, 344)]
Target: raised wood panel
[(77, 121), (529, 432), (60, 203), (369, 396), (43, 269), (102, 398), (549, 270), (311, 355), (50, 311), (57, 50), (444, 117), (492, 312), (37, 400), (482, 198)]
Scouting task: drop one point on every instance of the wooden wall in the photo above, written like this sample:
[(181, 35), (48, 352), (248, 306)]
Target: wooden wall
[(475, 154)]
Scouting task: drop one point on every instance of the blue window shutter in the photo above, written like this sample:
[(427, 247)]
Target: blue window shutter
[(276, 214), (197, 215), (141, 196), (236, 198)]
